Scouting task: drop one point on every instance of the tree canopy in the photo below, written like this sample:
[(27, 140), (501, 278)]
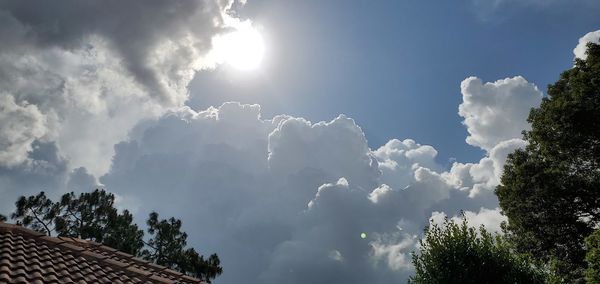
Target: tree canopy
[(90, 216), (93, 216), (550, 191), (457, 253), (167, 246)]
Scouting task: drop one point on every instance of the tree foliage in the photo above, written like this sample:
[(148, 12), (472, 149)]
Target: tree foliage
[(592, 257), (90, 216), (93, 216), (457, 253), (550, 190), (167, 246), (37, 212)]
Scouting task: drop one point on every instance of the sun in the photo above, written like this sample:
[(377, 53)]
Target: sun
[(243, 48)]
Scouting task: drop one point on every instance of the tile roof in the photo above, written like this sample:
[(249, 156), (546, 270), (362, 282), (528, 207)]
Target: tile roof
[(27, 256)]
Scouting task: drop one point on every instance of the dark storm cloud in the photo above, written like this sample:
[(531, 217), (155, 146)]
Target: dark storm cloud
[(133, 28), (70, 67)]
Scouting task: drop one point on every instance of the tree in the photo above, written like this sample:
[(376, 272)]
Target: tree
[(93, 216), (90, 216), (37, 212), (167, 247), (457, 253), (592, 257), (124, 235), (550, 190), (2, 218)]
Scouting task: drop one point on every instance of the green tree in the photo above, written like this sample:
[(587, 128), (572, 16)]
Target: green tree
[(167, 246), (92, 216), (592, 257), (37, 212), (2, 218), (550, 190), (124, 235), (457, 253)]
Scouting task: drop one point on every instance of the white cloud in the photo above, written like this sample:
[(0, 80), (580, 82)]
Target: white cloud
[(291, 196), (294, 196), (394, 251), (22, 123), (581, 47), (398, 159), (280, 193), (482, 177), (379, 193), (491, 219), (495, 112), (338, 147)]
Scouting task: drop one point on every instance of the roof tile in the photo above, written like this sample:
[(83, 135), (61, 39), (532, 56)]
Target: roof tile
[(27, 256)]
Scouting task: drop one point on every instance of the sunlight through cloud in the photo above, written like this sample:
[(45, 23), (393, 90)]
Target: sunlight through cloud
[(243, 48)]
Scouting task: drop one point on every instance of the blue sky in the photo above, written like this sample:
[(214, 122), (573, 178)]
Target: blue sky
[(396, 66), (141, 98)]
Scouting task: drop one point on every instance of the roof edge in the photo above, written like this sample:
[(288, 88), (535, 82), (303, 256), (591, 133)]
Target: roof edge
[(79, 247)]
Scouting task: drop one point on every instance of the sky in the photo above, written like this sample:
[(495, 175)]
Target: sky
[(281, 131)]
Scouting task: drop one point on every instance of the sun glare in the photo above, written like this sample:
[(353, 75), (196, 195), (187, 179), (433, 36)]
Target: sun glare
[(243, 48)]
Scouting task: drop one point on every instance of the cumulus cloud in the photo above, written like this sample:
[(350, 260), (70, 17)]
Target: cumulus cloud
[(397, 160), (491, 219), (496, 111), (581, 47), (339, 147), (482, 177), (78, 68), (394, 251), (21, 125), (495, 114), (286, 200), (285, 194)]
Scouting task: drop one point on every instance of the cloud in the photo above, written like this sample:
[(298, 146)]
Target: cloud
[(159, 43), (581, 47), (491, 219), (397, 160), (78, 68), (281, 193), (482, 177), (21, 125), (496, 111), (338, 147), (44, 170), (394, 251), (284, 200)]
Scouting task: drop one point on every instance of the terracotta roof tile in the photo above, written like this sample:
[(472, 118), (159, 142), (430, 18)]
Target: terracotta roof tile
[(27, 256)]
